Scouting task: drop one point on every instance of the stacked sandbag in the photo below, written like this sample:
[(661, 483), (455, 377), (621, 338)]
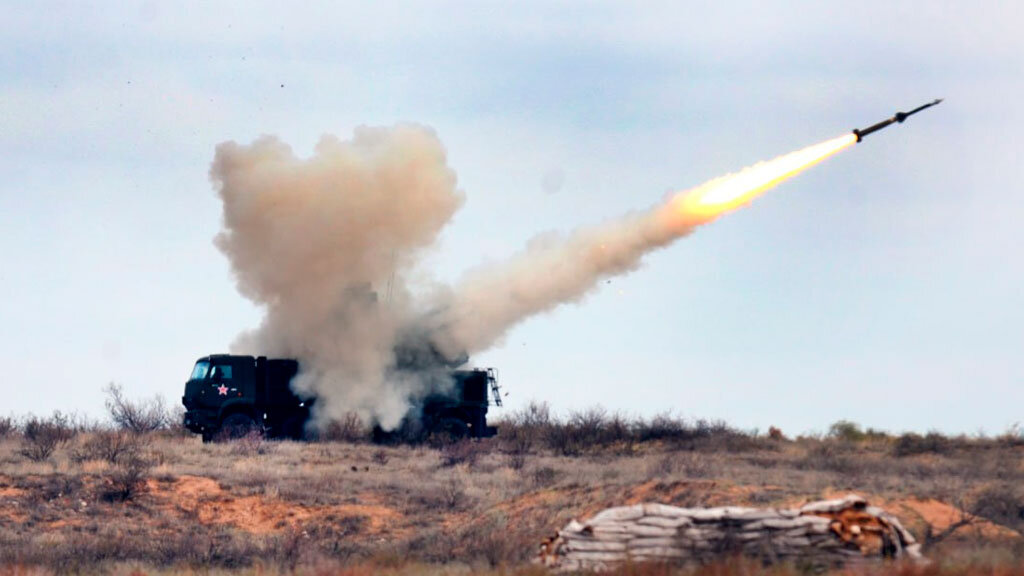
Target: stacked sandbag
[(828, 534)]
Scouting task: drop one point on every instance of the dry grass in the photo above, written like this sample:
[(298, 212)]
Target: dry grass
[(260, 507)]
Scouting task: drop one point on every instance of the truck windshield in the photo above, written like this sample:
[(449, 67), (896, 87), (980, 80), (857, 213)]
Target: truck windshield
[(199, 372)]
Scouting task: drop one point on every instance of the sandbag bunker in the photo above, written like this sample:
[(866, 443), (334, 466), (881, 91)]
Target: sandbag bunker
[(823, 534)]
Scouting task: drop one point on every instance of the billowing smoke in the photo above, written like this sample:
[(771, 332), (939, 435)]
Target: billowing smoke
[(318, 242)]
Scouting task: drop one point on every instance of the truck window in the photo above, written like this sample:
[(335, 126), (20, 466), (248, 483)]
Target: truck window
[(199, 372), (221, 372)]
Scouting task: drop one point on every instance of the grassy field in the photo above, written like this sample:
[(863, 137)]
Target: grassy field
[(114, 500)]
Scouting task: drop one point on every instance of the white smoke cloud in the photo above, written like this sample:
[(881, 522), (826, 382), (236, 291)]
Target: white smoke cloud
[(315, 241), (311, 241)]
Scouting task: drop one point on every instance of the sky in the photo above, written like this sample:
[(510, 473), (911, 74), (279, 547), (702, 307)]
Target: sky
[(884, 286)]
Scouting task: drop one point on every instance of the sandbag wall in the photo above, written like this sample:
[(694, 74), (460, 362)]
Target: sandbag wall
[(828, 534)]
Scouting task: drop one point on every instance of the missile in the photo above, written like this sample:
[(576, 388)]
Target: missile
[(860, 133)]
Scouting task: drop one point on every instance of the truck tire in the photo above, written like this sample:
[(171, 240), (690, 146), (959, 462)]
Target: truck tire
[(294, 428), (236, 426), (453, 429)]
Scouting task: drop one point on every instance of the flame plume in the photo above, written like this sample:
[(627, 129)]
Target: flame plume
[(727, 193), (490, 300)]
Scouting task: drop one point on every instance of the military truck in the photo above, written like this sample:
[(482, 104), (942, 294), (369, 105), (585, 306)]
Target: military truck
[(230, 396)]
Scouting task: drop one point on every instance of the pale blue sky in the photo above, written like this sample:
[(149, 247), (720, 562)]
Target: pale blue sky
[(884, 286)]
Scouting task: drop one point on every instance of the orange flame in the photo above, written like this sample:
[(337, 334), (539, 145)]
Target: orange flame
[(724, 194)]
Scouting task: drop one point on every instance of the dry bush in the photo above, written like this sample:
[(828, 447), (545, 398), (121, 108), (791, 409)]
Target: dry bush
[(830, 455), (465, 451), (492, 541), (696, 465), (665, 426), (176, 422), (911, 444), (430, 544), (848, 431), (139, 417), (349, 429), (688, 464), (1002, 503), (525, 429), (41, 437), (109, 445), (592, 430), (252, 443), (448, 496), (8, 426), (544, 476), (1013, 437), (56, 486), (515, 460), (127, 478), (582, 431), (661, 467)]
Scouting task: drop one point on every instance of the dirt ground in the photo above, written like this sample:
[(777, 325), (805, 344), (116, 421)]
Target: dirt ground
[(281, 507)]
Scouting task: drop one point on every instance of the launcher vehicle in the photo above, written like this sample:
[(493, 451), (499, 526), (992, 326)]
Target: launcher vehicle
[(231, 396)]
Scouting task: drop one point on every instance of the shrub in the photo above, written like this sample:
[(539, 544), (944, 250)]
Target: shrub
[(128, 477), (846, 431), (525, 429), (41, 437), (138, 417), (8, 426), (661, 467), (910, 444), (494, 542), (515, 460), (463, 452), (1001, 503), (108, 445), (349, 429), (381, 457), (1013, 437), (251, 443), (662, 427), (828, 455), (544, 476)]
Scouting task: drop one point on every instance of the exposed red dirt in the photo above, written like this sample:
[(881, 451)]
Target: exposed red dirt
[(210, 504)]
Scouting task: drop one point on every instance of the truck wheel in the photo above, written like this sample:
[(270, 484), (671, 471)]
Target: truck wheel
[(294, 428), (453, 429), (236, 426)]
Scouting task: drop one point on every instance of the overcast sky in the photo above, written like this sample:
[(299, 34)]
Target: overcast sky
[(885, 286)]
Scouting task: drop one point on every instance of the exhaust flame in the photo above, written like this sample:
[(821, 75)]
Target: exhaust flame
[(312, 240), (727, 193)]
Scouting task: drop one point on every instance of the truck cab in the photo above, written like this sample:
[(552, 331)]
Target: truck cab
[(235, 394)]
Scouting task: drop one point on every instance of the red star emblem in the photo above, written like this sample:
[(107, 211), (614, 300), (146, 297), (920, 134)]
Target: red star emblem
[(222, 390)]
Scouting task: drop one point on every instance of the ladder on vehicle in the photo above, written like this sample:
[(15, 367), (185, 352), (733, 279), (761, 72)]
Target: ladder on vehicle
[(492, 379)]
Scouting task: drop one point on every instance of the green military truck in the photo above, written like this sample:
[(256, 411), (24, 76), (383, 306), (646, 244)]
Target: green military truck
[(231, 396)]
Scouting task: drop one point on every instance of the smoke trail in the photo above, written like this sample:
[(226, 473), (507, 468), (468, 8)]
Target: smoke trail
[(313, 241), (553, 271)]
